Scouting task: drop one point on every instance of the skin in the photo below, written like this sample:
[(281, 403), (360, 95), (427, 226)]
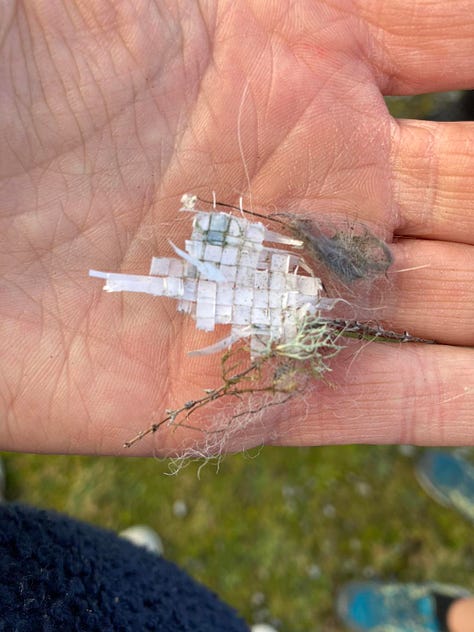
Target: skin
[(112, 110), (461, 616)]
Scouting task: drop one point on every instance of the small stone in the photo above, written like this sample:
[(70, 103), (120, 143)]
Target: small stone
[(180, 509), (314, 571), (329, 511)]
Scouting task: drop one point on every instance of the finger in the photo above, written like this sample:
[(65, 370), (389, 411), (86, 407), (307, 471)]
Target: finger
[(420, 45), (409, 394), (433, 179), (432, 294)]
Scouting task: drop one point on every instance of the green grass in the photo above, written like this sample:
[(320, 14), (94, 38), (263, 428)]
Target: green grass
[(274, 535)]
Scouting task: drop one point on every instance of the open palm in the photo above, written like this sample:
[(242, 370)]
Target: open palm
[(111, 111)]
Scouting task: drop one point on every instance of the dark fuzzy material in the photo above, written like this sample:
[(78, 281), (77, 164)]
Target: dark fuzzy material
[(57, 574)]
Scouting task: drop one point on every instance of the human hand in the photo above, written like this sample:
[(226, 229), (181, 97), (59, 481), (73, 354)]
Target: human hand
[(111, 111)]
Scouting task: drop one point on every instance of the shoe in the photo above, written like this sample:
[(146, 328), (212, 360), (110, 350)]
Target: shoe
[(385, 607), (449, 479), (262, 627), (144, 536)]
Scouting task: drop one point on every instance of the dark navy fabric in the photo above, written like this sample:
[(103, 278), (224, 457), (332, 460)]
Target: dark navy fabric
[(60, 574)]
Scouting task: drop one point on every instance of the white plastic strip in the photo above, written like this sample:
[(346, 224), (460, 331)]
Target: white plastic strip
[(207, 270)]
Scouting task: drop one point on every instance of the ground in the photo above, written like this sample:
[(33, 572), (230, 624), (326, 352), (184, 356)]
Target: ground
[(274, 533)]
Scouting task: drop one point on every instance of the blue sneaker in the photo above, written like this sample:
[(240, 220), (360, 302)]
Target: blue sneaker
[(449, 479), (384, 607)]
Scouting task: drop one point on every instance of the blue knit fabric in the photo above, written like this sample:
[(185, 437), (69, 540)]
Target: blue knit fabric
[(57, 574)]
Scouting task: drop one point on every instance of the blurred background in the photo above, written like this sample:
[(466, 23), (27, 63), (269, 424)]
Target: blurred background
[(277, 531)]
